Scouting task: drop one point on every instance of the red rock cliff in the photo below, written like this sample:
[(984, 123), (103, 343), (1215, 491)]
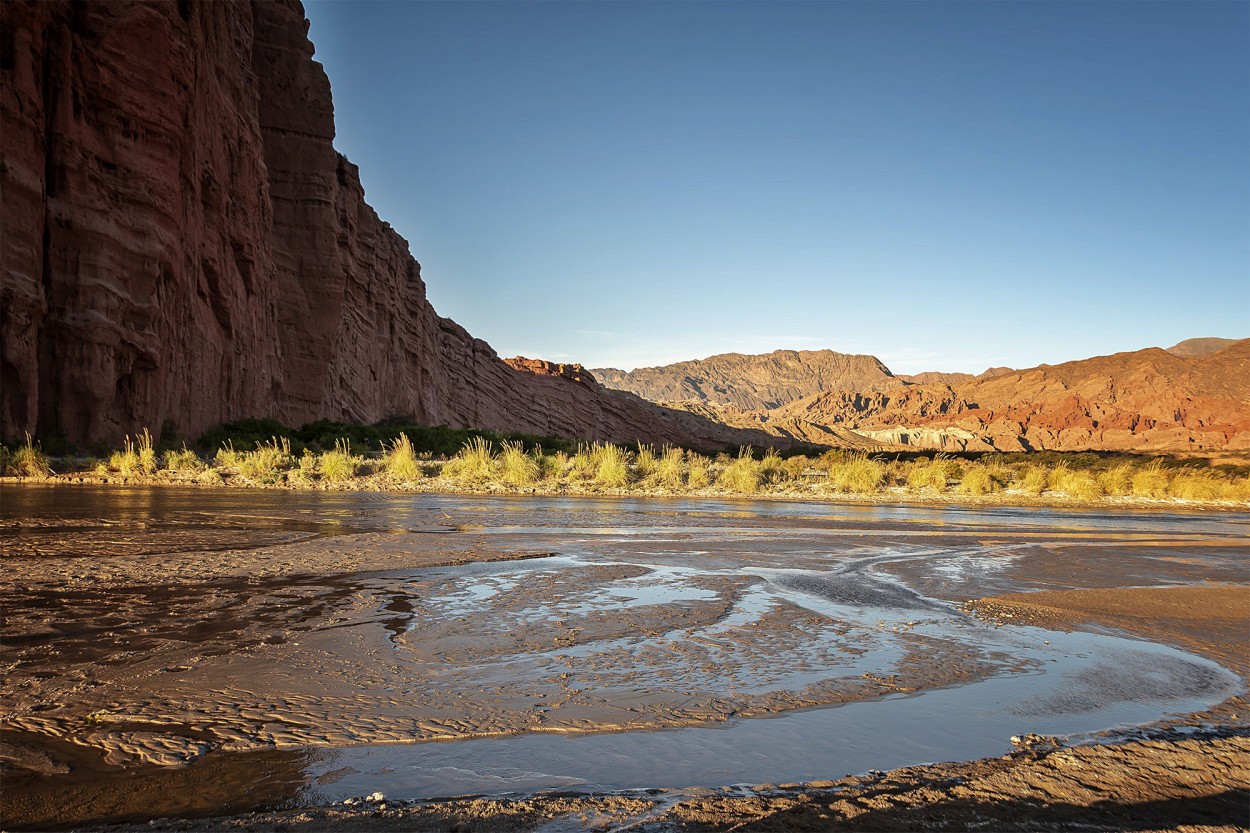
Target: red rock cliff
[(182, 244)]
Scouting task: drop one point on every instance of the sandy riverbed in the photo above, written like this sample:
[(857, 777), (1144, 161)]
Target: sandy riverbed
[(157, 647)]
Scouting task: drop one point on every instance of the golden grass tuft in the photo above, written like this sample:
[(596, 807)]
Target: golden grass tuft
[(1152, 481), (928, 475), (742, 475), (610, 465), (267, 461), (27, 460), (184, 460), (1117, 480), (1033, 480), (339, 465), (856, 474), (670, 469), (400, 460), (1193, 485), (979, 480), (698, 471), (645, 462), (474, 463), (516, 468), (1077, 484)]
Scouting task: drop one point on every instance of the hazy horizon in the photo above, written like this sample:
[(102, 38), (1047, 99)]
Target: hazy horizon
[(945, 186)]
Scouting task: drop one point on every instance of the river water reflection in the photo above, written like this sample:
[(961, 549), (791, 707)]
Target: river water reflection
[(426, 645)]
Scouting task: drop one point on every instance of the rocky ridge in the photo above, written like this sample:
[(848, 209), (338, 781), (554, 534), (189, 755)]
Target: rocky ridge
[(752, 382), (182, 245)]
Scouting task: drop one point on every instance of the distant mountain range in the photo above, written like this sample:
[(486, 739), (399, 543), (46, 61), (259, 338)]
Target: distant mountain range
[(1194, 396)]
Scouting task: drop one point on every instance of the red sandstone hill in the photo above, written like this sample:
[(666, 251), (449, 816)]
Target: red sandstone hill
[(1148, 400), (1194, 347), (752, 382), (182, 245)]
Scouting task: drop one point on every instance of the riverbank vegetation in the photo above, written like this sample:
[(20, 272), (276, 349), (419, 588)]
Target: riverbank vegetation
[(389, 458)]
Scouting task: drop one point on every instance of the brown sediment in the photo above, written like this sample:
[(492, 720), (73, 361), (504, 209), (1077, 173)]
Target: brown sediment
[(135, 660)]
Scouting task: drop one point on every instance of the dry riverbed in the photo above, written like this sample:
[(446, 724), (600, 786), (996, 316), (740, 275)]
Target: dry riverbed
[(175, 654)]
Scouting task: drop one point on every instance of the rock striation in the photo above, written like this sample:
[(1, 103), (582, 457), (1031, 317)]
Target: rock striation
[(1148, 400), (752, 382), (182, 245)]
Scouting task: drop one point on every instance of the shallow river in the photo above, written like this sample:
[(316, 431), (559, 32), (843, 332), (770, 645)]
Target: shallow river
[(243, 650)]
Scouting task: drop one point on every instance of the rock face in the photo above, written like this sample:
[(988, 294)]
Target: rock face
[(182, 245), (752, 382), (1149, 400), (1193, 347), (541, 367)]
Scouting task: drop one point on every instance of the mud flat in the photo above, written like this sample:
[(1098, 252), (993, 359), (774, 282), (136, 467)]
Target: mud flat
[(577, 663)]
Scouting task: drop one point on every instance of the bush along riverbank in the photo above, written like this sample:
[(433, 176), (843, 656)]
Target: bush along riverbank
[(316, 458)]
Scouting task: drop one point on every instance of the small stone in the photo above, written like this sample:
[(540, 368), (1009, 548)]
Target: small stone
[(377, 797)]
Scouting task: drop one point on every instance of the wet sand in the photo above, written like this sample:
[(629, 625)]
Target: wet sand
[(181, 650)]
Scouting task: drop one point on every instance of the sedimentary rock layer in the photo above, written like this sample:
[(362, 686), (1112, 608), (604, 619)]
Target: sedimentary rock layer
[(182, 245), (752, 382)]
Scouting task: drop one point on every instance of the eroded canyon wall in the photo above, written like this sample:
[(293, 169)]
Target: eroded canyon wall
[(182, 245)]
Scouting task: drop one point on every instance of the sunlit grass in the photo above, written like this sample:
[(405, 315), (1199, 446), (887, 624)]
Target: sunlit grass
[(267, 460), (1152, 481), (856, 474), (474, 463), (1033, 480), (400, 460), (339, 465), (1074, 483), (27, 460), (516, 468), (979, 480), (670, 469), (742, 475), (182, 460)]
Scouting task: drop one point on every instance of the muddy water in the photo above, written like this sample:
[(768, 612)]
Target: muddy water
[(236, 650)]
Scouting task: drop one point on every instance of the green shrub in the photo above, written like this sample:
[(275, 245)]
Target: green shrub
[(339, 465), (516, 468), (743, 475)]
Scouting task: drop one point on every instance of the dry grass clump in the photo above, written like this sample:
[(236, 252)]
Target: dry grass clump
[(516, 468), (184, 460), (306, 469), (773, 469), (742, 475), (1077, 484), (980, 480), (1193, 485), (400, 460), (698, 471), (670, 469), (1033, 480), (27, 460), (856, 474), (645, 463), (551, 466), (928, 474), (138, 456), (267, 461), (474, 463), (340, 464), (608, 465), (1151, 481), (1117, 480)]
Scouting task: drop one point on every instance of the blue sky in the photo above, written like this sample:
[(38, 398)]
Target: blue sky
[(947, 186)]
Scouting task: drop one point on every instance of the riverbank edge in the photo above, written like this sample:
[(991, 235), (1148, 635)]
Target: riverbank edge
[(890, 496)]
